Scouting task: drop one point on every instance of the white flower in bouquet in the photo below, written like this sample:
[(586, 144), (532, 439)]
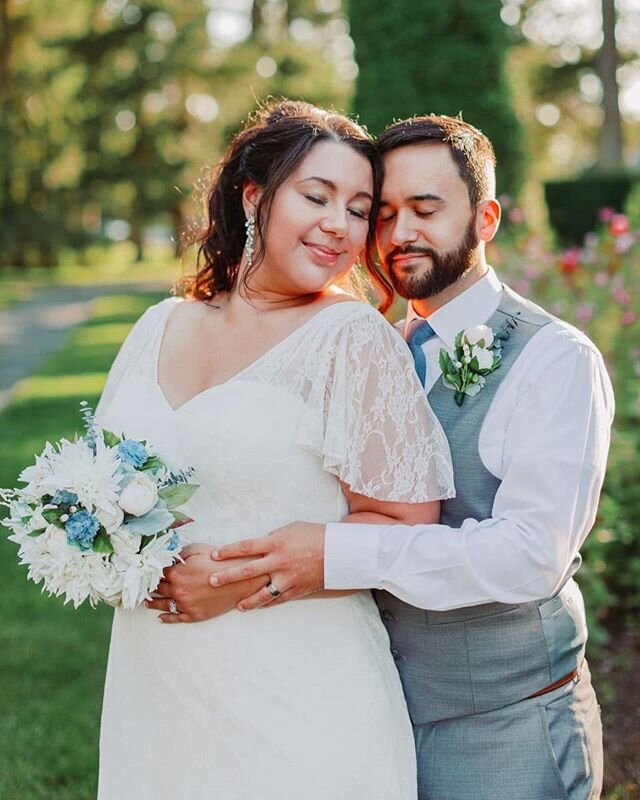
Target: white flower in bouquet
[(110, 518), (92, 476), (38, 475), (140, 571), (126, 543), (139, 495)]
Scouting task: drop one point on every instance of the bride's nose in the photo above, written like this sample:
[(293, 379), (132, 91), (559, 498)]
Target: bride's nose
[(335, 221)]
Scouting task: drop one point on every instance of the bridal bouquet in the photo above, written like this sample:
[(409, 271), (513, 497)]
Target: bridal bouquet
[(98, 517)]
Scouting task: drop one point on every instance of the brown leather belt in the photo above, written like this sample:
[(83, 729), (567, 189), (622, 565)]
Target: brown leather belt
[(561, 682)]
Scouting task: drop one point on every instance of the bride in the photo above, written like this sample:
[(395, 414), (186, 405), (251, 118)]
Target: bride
[(290, 400)]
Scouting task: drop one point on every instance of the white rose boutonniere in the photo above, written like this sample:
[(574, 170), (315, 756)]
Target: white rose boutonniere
[(476, 354)]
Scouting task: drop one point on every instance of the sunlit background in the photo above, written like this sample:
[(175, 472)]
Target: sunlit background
[(110, 114)]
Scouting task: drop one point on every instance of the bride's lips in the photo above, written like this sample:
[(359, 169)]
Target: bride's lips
[(322, 254)]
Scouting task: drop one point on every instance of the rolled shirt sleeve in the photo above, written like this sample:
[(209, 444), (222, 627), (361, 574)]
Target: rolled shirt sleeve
[(551, 418)]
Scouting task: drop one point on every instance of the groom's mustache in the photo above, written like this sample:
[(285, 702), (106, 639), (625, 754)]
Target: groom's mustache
[(406, 250)]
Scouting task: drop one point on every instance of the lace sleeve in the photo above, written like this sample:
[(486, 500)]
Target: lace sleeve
[(139, 335), (369, 419)]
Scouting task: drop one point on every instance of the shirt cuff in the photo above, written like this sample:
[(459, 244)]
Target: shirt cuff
[(351, 556)]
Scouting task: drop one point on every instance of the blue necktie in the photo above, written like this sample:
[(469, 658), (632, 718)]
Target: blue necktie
[(417, 334)]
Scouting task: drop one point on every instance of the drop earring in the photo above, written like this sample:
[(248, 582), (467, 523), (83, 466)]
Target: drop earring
[(250, 228)]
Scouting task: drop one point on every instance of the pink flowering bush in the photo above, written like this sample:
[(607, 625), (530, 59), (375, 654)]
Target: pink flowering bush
[(596, 287)]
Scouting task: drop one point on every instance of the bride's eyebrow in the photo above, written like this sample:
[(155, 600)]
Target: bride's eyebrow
[(331, 185)]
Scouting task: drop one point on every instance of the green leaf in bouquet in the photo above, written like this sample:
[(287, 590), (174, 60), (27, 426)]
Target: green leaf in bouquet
[(102, 543), (177, 494), (153, 462), (156, 520), (180, 519), (52, 515), (110, 438)]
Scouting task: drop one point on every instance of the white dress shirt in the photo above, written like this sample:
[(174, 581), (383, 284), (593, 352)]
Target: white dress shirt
[(545, 437)]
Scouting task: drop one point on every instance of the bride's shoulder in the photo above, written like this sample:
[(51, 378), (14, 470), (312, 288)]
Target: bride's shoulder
[(358, 316)]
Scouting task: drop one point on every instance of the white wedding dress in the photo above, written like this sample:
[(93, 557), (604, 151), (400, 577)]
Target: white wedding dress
[(300, 701)]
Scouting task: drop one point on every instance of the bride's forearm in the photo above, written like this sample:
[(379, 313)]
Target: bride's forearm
[(372, 517)]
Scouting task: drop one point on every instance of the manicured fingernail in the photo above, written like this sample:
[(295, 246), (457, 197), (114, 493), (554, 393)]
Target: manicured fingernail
[(147, 604), (215, 554), (214, 580), (160, 619), (241, 608)]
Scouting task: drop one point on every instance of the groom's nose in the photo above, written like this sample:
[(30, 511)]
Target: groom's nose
[(403, 230)]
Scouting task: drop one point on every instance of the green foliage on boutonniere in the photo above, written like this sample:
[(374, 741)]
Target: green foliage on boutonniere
[(476, 354)]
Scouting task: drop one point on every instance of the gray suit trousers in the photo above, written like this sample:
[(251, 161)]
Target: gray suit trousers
[(543, 748)]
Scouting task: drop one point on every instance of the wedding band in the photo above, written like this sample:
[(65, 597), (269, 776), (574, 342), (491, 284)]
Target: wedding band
[(173, 607), (272, 590)]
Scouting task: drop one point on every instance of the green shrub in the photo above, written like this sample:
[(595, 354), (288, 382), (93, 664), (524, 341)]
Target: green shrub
[(573, 205)]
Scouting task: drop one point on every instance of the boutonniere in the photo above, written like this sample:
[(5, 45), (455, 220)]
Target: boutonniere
[(477, 352)]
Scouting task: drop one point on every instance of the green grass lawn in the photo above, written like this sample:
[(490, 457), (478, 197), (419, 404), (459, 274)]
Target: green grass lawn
[(52, 658)]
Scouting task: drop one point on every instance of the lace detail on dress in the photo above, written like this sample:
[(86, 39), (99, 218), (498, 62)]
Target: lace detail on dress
[(366, 415)]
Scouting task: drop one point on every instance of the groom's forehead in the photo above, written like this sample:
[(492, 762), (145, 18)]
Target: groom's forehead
[(419, 169)]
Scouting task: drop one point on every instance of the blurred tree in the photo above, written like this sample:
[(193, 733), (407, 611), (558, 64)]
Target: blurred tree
[(610, 150), (578, 72), (437, 57), (110, 109)]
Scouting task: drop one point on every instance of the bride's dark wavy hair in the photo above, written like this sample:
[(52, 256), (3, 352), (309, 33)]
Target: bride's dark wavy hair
[(266, 151)]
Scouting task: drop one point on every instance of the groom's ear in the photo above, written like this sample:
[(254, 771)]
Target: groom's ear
[(488, 219)]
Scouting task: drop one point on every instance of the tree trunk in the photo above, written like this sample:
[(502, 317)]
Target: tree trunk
[(610, 155)]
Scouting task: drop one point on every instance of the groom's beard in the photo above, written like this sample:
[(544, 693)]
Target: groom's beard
[(446, 268)]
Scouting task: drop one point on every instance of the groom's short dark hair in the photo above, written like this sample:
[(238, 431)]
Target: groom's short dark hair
[(469, 147)]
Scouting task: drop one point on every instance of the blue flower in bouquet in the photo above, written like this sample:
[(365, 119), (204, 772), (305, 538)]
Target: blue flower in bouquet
[(82, 528), (132, 452), (64, 498), (174, 542)]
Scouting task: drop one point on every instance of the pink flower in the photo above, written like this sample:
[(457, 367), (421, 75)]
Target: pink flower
[(606, 214), (624, 243), (531, 272), (570, 261), (628, 318), (601, 278), (584, 313), (621, 296), (618, 225)]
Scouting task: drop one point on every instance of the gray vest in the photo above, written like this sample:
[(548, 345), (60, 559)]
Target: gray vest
[(476, 659)]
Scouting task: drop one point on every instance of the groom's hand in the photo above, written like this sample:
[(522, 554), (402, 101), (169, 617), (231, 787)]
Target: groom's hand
[(292, 556)]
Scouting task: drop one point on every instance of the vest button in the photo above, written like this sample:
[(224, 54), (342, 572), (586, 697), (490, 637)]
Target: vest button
[(387, 615), (396, 655)]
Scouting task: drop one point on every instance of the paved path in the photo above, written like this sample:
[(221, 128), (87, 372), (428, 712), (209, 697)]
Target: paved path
[(33, 329)]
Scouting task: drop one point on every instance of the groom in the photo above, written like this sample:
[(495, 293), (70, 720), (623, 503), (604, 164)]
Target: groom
[(486, 623)]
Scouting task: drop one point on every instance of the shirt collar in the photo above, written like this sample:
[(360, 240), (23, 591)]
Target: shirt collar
[(473, 307)]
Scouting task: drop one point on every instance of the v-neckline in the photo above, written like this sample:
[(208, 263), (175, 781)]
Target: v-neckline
[(237, 375)]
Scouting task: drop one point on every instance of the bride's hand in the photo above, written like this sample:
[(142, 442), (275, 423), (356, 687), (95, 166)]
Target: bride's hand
[(188, 584)]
